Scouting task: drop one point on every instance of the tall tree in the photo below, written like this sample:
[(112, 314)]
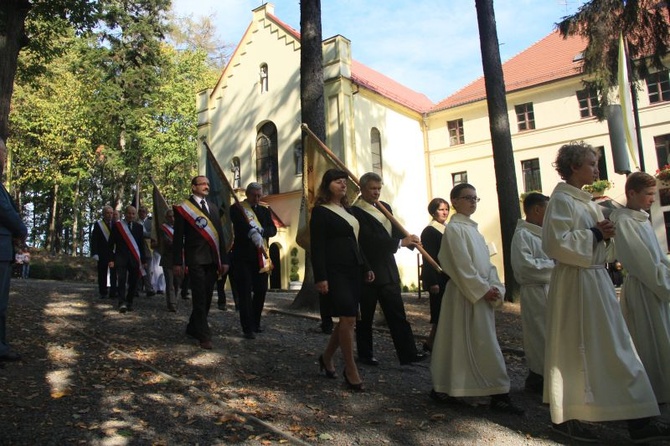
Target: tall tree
[(312, 111), (131, 62), (34, 23), (53, 125), (503, 155), (644, 25)]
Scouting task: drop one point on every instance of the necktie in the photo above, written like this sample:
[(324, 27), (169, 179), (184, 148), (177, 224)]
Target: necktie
[(203, 205)]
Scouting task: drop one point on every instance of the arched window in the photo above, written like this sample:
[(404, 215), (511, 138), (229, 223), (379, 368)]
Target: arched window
[(376, 150), (235, 168), (267, 163), (263, 74)]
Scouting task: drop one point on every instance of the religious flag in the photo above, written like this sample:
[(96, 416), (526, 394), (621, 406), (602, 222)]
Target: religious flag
[(315, 163), (626, 102), (160, 206), (221, 193)]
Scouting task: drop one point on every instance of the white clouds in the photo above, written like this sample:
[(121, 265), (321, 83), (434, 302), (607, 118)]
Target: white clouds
[(431, 46)]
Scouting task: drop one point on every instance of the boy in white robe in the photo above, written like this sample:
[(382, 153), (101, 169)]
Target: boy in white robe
[(592, 371), (466, 359), (532, 270), (645, 295)]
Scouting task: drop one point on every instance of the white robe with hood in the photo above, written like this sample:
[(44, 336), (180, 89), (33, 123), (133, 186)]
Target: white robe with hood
[(532, 270), (466, 359), (645, 295), (592, 371)]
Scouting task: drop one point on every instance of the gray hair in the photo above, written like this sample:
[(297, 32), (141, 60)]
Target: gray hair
[(370, 176), (254, 186)]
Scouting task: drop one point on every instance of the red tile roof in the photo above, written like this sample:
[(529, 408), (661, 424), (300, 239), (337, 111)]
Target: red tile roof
[(550, 59), (387, 87)]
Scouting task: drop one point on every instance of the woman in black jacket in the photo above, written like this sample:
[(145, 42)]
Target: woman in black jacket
[(339, 270), (433, 281)]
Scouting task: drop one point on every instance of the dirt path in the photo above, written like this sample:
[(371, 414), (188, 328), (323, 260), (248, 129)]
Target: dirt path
[(90, 375)]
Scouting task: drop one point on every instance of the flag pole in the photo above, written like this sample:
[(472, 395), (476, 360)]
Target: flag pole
[(383, 209), (220, 173)]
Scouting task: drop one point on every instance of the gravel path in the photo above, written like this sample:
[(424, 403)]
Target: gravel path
[(90, 375)]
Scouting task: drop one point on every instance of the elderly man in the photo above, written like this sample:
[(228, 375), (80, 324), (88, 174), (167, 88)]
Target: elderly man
[(12, 231), (100, 251), (145, 221), (129, 258), (253, 226)]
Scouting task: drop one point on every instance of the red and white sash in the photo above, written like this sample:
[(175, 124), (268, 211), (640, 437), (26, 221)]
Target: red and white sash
[(131, 244), (264, 262), (168, 230), (106, 230), (202, 224)]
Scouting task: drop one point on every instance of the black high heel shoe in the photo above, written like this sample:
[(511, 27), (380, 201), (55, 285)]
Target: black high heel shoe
[(355, 387), (322, 366)]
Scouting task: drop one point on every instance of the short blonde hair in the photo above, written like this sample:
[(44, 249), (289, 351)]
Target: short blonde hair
[(573, 155)]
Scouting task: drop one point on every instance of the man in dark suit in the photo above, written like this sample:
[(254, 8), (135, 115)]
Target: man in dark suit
[(12, 229), (100, 251), (379, 240), (253, 226), (128, 257), (198, 232)]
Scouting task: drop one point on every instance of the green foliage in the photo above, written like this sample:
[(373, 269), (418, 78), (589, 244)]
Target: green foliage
[(644, 25), (116, 107), (295, 266), (598, 186)]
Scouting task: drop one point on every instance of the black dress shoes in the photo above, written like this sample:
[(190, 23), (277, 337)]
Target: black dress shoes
[(418, 357), (10, 356), (249, 335), (369, 361)]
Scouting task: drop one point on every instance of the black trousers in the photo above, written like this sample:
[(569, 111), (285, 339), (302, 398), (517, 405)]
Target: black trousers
[(390, 300), (102, 279), (202, 279), (252, 287), (126, 274)]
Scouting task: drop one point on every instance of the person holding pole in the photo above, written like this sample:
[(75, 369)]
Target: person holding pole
[(380, 239), (253, 226)]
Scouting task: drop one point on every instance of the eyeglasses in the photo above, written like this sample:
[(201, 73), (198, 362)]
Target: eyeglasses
[(201, 184), (470, 198)]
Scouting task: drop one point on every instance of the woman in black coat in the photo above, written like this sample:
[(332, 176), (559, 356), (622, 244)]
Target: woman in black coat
[(339, 270), (433, 281)]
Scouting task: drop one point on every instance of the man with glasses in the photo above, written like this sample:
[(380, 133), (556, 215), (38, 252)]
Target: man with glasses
[(466, 358), (198, 232), (379, 241)]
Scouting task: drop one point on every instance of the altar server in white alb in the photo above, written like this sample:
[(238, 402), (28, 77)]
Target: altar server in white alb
[(645, 295), (532, 270), (466, 358), (592, 371)]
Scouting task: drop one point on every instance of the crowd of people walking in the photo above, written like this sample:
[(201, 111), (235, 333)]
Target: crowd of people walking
[(591, 356)]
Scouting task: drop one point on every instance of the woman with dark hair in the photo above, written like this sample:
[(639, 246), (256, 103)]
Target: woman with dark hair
[(432, 280), (339, 270)]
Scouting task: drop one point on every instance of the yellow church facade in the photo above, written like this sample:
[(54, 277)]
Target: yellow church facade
[(251, 121)]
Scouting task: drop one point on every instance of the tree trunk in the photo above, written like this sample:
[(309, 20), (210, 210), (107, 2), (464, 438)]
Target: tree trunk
[(12, 38), (503, 155), (51, 238), (313, 112), (75, 221)]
